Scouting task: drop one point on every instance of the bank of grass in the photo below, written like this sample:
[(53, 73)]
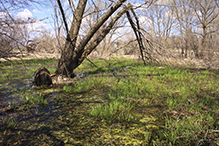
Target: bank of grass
[(24, 69), (123, 102), (187, 100)]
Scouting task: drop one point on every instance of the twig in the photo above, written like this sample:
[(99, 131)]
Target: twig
[(202, 140), (212, 131), (139, 34), (91, 62), (206, 134), (122, 47), (178, 117)]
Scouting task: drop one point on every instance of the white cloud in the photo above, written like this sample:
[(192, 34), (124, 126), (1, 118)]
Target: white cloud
[(3, 15), (163, 2), (37, 11), (26, 14), (39, 26), (197, 15)]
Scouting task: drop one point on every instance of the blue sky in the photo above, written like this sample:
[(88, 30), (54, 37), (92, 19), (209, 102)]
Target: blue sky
[(43, 12), (46, 13)]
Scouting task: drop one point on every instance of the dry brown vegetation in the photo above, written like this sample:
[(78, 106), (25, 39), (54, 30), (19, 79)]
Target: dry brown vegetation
[(181, 32)]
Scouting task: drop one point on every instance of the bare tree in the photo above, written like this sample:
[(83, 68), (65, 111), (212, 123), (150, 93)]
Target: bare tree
[(196, 19), (186, 22), (206, 12), (72, 55), (13, 32)]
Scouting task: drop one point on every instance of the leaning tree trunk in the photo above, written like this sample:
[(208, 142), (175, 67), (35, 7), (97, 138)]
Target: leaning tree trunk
[(72, 56), (67, 61)]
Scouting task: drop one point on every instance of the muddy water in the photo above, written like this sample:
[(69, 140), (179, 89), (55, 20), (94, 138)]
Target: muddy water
[(11, 100), (43, 122)]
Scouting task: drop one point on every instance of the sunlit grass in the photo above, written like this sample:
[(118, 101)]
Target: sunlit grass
[(190, 100), (116, 110), (157, 105)]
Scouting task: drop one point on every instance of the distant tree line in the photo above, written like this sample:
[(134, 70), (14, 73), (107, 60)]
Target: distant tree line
[(186, 28)]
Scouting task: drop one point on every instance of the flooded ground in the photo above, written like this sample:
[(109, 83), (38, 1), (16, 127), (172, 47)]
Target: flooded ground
[(119, 103)]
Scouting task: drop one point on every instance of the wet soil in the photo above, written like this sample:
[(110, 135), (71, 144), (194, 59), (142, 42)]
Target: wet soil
[(65, 118)]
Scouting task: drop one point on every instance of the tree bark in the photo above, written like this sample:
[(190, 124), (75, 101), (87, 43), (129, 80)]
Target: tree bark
[(102, 35), (65, 62), (72, 55), (137, 33)]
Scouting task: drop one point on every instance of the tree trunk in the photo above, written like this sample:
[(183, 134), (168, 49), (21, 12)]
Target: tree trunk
[(67, 61), (72, 55)]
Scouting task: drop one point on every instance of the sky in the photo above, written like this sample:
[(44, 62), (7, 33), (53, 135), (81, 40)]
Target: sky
[(42, 14), (45, 15)]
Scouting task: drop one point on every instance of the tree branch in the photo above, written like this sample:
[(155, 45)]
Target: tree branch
[(140, 39), (94, 29), (103, 33), (137, 35), (72, 35), (63, 16)]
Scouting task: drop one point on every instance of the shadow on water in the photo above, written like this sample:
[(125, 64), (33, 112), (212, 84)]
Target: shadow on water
[(32, 126), (9, 96), (25, 130), (10, 99)]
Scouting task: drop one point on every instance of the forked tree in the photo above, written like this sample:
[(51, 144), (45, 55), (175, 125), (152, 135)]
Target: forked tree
[(73, 55)]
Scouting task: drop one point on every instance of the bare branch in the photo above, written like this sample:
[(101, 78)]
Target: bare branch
[(98, 25), (63, 17), (103, 33), (137, 35)]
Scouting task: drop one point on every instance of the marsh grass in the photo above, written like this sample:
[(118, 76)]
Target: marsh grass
[(18, 70), (8, 123), (123, 102), (190, 98), (32, 100), (115, 110)]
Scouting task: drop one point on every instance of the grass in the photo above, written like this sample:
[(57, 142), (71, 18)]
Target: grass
[(114, 111), (31, 100), (10, 123), (25, 68), (123, 102)]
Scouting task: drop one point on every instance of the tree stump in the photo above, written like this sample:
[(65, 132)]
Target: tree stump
[(42, 77)]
